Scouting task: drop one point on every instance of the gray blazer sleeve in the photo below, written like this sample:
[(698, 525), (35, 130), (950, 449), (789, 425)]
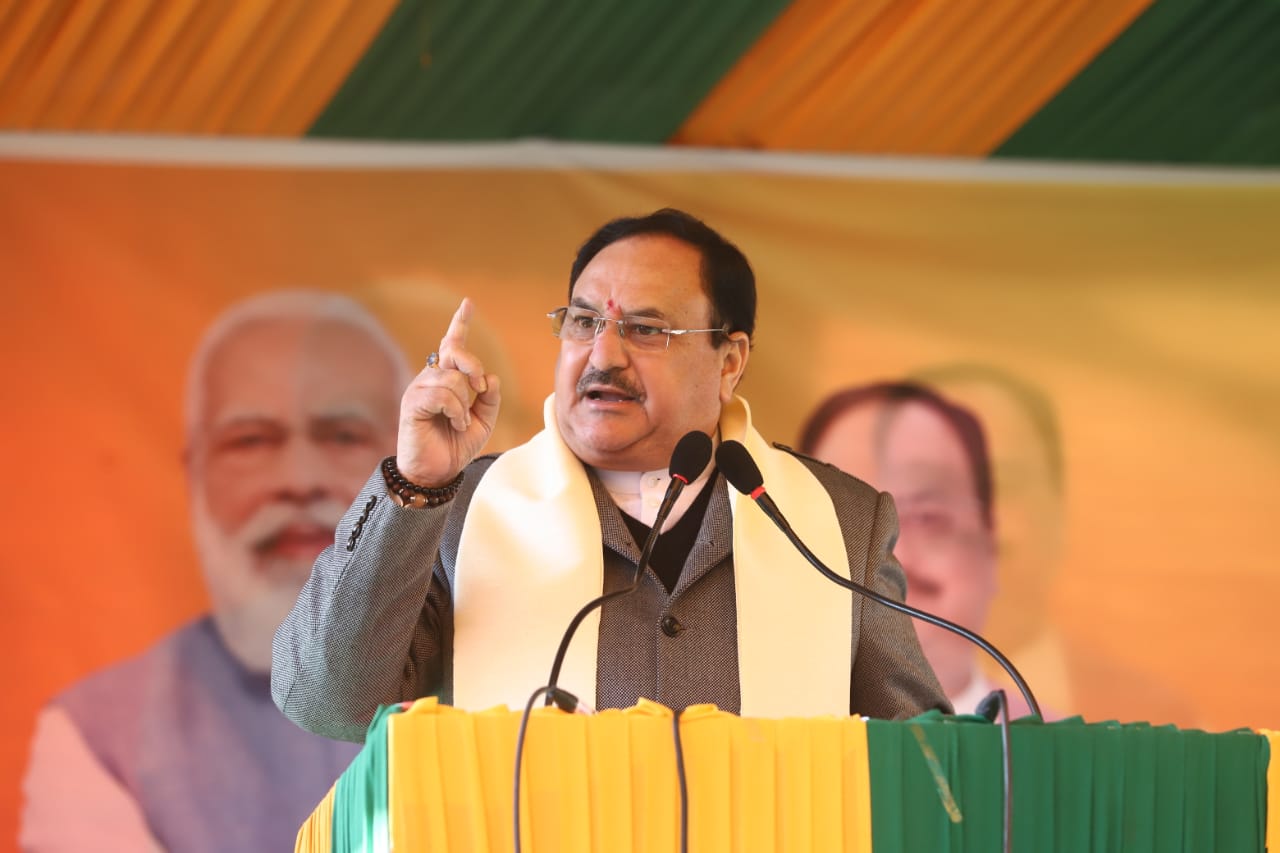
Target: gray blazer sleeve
[(891, 678), (374, 623), (889, 654)]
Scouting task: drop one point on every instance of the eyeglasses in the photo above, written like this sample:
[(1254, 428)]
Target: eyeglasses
[(580, 326)]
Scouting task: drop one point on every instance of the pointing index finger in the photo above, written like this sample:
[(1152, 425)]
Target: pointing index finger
[(456, 337), (453, 347)]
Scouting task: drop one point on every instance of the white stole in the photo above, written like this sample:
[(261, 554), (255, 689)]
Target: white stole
[(530, 557)]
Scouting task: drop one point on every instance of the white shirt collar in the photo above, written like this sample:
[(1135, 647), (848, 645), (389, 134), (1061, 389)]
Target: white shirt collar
[(639, 493)]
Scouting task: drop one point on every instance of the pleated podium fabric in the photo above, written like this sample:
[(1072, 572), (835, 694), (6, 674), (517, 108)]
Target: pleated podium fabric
[(1131, 788), (317, 832), (434, 778)]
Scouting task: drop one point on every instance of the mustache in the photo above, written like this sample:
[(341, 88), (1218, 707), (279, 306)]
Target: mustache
[(269, 523), (612, 378)]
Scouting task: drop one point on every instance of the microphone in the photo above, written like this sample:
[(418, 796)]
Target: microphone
[(690, 457), (989, 707), (744, 475), (688, 460)]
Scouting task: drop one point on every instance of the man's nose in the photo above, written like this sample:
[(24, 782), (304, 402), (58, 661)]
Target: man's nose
[(608, 349), (302, 473)]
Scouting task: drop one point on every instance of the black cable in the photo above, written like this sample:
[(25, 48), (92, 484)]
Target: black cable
[(573, 627), (680, 777), (1006, 758), (563, 649), (524, 722), (690, 456), (680, 771), (922, 615), (977, 639), (743, 474)]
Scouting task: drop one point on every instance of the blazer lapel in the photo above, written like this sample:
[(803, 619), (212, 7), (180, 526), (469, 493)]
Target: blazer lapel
[(715, 538)]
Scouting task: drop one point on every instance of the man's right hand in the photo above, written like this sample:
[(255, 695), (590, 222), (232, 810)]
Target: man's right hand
[(448, 411)]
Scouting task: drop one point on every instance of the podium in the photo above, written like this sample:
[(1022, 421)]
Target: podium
[(435, 778)]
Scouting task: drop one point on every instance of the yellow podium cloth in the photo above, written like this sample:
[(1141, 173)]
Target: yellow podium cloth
[(317, 833), (604, 782)]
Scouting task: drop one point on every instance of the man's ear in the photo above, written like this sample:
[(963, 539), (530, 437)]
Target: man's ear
[(736, 351)]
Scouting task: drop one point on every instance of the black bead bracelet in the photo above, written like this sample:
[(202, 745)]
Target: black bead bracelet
[(411, 494)]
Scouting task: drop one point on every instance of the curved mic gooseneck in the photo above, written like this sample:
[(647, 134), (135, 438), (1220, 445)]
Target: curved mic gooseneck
[(690, 457), (744, 475)]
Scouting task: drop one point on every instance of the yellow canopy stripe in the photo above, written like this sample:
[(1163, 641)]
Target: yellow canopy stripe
[(179, 66), (903, 76)]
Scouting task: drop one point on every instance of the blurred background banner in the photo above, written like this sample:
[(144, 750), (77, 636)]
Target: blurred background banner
[(1113, 330), (166, 167)]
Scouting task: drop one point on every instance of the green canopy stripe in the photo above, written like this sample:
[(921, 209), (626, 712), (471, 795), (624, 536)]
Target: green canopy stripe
[(1190, 81), (578, 70)]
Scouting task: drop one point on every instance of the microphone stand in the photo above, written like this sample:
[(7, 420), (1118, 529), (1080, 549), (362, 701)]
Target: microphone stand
[(691, 455), (744, 475), (922, 615)]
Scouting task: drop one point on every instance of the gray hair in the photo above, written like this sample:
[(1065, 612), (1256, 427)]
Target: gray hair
[(283, 305)]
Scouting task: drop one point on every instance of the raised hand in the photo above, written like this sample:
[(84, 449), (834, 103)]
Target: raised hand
[(448, 411)]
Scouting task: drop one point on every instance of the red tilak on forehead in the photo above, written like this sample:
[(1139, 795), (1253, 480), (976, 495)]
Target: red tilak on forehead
[(609, 304)]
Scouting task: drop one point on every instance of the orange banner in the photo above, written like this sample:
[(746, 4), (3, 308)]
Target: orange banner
[(1114, 337)]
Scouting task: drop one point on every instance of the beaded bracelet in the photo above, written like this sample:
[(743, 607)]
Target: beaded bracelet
[(411, 494)]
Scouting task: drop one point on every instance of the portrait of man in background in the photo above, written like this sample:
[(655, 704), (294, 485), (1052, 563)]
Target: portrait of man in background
[(1030, 488), (932, 456), (291, 397), (974, 460)]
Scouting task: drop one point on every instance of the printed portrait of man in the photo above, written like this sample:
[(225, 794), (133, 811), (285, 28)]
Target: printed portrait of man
[(932, 457), (292, 397), (973, 457)]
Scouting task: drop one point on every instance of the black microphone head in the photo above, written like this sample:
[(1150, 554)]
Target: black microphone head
[(738, 467), (691, 456), (989, 707)]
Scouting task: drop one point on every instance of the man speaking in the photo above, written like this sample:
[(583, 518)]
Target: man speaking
[(455, 574)]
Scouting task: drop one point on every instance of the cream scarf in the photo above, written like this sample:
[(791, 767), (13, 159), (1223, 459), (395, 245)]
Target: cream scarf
[(530, 556)]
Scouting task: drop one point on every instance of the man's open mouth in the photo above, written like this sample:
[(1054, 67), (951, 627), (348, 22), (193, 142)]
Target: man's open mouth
[(297, 540), (923, 586), (609, 395)]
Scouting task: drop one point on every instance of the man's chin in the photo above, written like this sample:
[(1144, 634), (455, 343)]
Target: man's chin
[(602, 443), (286, 568), (617, 456)]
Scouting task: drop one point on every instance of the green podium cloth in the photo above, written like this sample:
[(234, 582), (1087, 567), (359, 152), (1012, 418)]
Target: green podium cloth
[(361, 811), (936, 785)]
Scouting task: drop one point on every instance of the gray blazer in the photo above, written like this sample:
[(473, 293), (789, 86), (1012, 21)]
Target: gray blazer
[(374, 623)]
